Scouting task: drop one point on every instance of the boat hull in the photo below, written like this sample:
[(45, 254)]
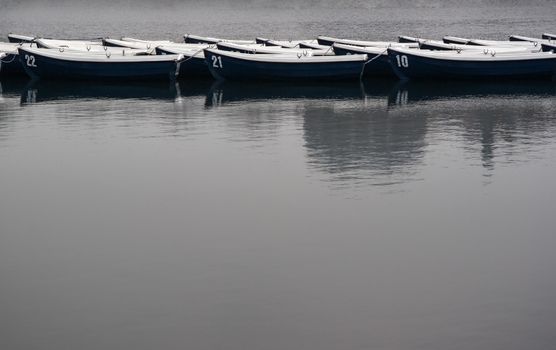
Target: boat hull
[(548, 47), (233, 68), (41, 66), (16, 38), (412, 66), (11, 66)]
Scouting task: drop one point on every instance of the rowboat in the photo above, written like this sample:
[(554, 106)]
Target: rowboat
[(91, 47), (481, 42), (455, 40), (549, 47), (425, 64), (440, 46), (549, 36), (193, 64), (240, 66), (328, 41), (314, 46), (135, 40), (147, 46), (196, 39), (527, 39), (53, 64), (408, 39), (81, 45), (377, 65), (260, 49), (17, 38), (286, 44)]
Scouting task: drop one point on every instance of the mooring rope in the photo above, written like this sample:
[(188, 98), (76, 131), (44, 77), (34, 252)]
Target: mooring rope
[(10, 61), (328, 50), (190, 57), (369, 61)]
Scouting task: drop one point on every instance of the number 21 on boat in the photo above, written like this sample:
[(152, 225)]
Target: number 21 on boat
[(217, 61)]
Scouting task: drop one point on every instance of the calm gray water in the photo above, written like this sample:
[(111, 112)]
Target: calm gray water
[(211, 215)]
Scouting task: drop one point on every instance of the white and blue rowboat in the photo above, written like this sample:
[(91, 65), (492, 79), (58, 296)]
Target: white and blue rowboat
[(17, 38), (455, 40), (328, 41), (239, 66), (286, 44), (193, 65), (80, 45), (378, 63), (440, 46), (9, 63), (260, 49), (527, 38), (481, 42), (436, 45), (549, 47), (425, 64), (147, 46), (314, 46), (53, 64), (196, 39), (87, 46), (157, 42), (549, 36), (408, 39)]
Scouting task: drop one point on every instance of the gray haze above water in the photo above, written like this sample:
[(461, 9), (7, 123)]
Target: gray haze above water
[(210, 215)]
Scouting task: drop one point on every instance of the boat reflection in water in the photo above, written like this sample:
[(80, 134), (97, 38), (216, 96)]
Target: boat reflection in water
[(362, 144), (408, 92), (12, 87), (223, 92), (45, 90), (497, 119)]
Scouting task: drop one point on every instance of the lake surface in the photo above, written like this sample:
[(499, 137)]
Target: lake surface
[(210, 215)]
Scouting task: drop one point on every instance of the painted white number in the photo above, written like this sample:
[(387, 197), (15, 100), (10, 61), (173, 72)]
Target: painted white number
[(30, 60), (402, 61), (217, 61)]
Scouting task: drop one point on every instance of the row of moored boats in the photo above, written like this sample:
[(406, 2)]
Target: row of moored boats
[(323, 58)]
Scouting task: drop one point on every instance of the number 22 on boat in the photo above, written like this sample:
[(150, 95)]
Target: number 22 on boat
[(30, 60), (217, 61), (402, 61)]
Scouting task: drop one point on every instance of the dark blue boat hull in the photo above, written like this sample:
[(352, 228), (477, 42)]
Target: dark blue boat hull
[(11, 66), (52, 68), (191, 40), (230, 68), (408, 66), (548, 47), (236, 49), (431, 46), (325, 42), (379, 66), (190, 67), (11, 39)]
